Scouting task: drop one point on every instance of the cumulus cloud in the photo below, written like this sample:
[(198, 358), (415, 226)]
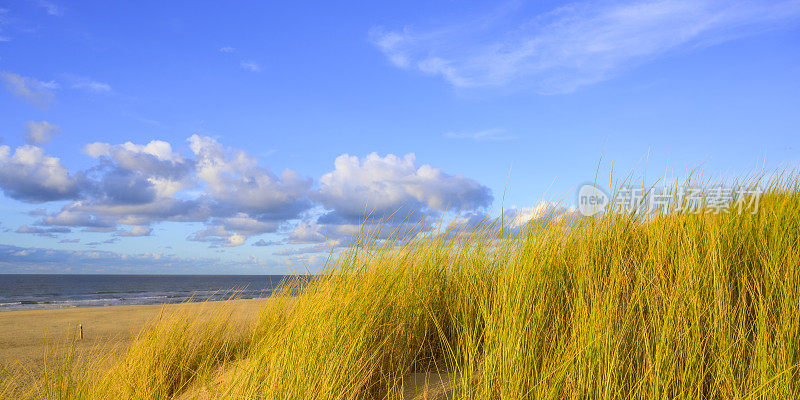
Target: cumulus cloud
[(30, 175), (344, 234), (40, 132), (155, 159), (382, 196), (385, 186), (33, 90), (233, 231), (242, 223), (217, 235), (574, 45), (514, 217), (141, 184), (227, 49), (238, 184), (78, 214), (308, 232), (543, 213), (134, 186)]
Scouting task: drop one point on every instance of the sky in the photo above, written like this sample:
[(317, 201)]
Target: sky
[(194, 137)]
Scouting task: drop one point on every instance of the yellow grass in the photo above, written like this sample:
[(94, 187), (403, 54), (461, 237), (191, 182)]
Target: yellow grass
[(676, 306)]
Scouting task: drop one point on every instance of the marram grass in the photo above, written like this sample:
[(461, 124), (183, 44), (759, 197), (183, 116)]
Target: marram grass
[(677, 306)]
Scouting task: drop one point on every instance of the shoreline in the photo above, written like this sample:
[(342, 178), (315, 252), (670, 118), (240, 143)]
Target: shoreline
[(46, 291), (105, 303)]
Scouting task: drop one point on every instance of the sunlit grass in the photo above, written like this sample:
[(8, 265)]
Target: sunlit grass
[(675, 306)]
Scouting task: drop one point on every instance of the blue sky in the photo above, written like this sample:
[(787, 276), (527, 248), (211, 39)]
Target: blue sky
[(190, 137)]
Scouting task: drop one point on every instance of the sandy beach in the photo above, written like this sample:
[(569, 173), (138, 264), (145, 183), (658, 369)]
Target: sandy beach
[(24, 335)]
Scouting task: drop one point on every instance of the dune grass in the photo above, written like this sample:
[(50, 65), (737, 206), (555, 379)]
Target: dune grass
[(618, 306)]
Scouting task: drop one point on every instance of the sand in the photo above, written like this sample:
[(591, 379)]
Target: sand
[(24, 334)]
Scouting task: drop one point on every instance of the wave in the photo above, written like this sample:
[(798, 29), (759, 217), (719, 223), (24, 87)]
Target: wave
[(148, 298)]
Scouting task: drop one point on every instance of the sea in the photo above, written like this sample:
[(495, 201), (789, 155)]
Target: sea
[(32, 292)]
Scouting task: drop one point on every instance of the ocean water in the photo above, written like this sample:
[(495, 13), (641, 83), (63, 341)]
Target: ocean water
[(30, 292)]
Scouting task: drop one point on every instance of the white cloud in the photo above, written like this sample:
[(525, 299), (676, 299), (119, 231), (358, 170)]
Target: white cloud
[(244, 224), (575, 45), (250, 66), (236, 181), (40, 132), (385, 196), (231, 194), (136, 231), (495, 134), (218, 236), (543, 212), (381, 186), (165, 170), (234, 231), (30, 175), (513, 218), (141, 184), (133, 185), (33, 90), (89, 85), (308, 232), (343, 234), (78, 214), (227, 49)]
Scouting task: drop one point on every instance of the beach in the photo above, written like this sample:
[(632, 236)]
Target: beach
[(25, 335)]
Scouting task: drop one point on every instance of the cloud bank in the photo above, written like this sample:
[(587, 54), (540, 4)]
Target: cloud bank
[(133, 187)]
